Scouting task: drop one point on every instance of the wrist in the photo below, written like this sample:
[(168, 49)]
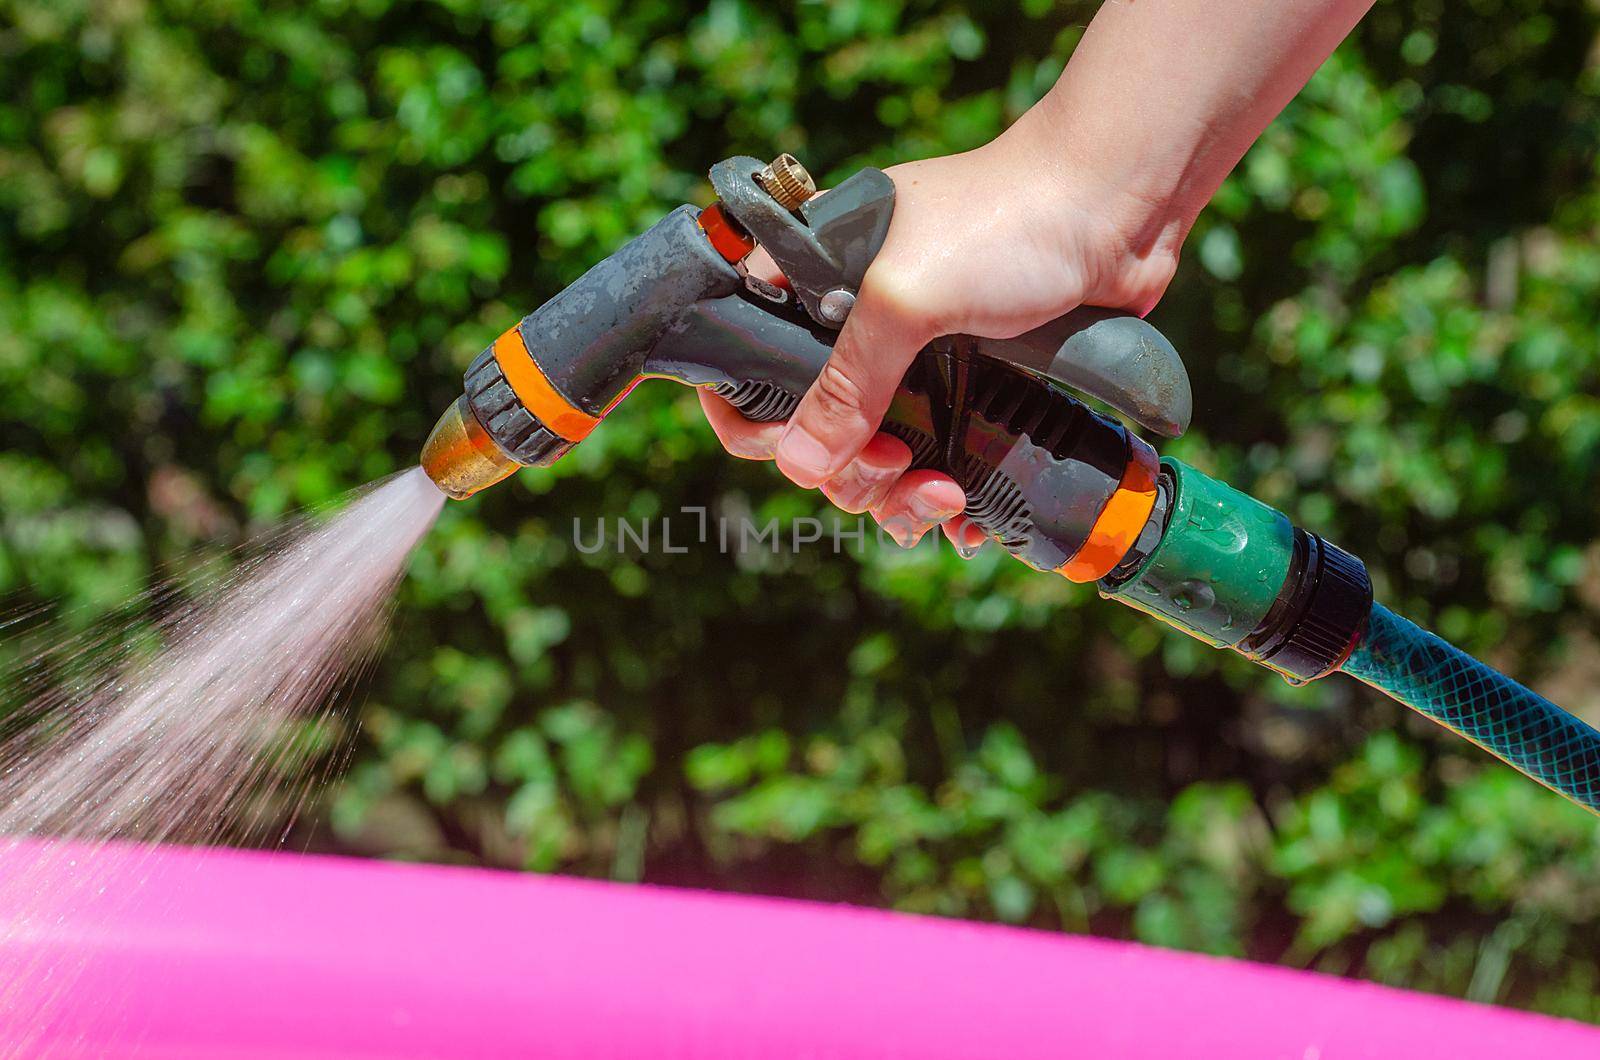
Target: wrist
[(1147, 196)]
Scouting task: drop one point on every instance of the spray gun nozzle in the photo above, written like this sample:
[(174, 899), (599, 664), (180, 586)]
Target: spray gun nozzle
[(460, 457)]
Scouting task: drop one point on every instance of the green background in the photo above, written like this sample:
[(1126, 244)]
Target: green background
[(247, 248)]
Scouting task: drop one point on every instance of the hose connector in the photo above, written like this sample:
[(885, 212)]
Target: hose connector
[(1236, 573)]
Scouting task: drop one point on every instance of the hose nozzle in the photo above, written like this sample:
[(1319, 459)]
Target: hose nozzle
[(460, 457)]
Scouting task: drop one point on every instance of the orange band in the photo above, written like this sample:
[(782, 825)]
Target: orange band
[(535, 391), (1120, 521), (728, 241)]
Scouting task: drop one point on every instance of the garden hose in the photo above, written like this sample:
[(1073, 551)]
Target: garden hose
[(1435, 678)]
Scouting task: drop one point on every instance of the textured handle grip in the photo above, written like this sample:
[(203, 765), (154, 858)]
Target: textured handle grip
[(758, 401)]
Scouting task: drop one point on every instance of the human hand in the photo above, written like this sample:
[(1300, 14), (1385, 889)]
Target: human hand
[(993, 242)]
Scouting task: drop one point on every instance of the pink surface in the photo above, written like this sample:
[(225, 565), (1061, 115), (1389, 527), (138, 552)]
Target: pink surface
[(200, 954)]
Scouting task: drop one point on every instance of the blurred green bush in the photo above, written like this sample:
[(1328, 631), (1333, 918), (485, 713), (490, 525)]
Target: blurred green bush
[(247, 247)]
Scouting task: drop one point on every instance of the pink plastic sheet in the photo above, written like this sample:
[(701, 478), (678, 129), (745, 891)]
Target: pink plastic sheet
[(157, 953)]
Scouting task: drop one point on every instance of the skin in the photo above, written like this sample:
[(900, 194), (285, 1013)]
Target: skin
[(1106, 174)]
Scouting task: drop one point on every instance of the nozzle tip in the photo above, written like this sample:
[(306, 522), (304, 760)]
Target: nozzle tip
[(460, 457)]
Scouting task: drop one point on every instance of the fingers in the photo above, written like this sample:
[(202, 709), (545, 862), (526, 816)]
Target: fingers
[(918, 502), (906, 504), (845, 406), (864, 483), (860, 485)]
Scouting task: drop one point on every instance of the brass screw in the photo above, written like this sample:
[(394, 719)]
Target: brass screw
[(787, 181)]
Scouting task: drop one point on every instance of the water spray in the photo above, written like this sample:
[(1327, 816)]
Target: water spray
[(1060, 486)]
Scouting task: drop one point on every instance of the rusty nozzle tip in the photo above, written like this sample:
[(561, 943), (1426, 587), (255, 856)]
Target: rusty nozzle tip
[(460, 456)]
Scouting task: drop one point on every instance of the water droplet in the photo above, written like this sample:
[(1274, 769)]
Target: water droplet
[(1194, 595)]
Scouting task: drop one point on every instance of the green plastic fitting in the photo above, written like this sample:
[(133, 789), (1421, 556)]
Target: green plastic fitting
[(1220, 565)]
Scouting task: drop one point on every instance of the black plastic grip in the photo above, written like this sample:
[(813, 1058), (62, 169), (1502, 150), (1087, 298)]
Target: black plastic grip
[(760, 402)]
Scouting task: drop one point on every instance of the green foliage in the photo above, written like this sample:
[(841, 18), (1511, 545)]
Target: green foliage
[(246, 249)]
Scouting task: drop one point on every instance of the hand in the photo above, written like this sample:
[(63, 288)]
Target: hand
[(993, 242)]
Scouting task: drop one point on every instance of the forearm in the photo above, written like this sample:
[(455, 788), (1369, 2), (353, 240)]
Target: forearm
[(1163, 97)]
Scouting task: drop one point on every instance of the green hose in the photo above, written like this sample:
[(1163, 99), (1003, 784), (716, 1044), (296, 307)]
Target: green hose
[(1437, 679)]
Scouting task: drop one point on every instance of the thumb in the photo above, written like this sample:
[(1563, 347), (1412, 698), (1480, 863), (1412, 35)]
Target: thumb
[(844, 407)]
